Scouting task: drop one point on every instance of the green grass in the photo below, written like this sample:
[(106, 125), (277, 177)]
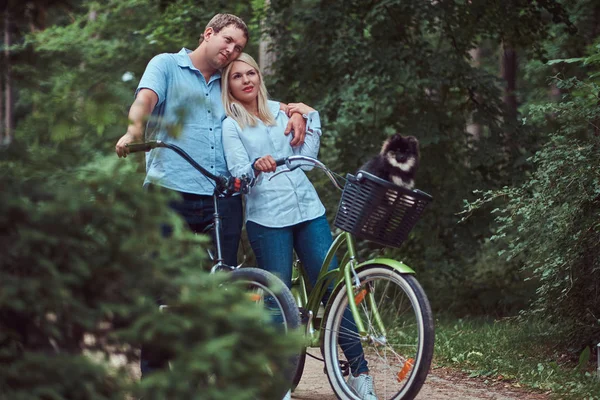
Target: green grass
[(517, 352)]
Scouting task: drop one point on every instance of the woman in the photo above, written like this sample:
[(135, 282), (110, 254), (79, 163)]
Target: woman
[(285, 213)]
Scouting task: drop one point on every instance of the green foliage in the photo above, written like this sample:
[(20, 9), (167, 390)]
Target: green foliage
[(77, 78), (374, 68), (83, 262), (550, 221), (511, 352), (371, 68)]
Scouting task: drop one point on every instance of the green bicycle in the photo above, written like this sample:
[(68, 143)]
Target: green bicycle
[(390, 309)]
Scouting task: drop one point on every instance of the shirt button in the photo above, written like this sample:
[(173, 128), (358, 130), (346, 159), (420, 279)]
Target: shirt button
[(211, 166), (212, 147), (210, 129), (206, 94), (209, 111)]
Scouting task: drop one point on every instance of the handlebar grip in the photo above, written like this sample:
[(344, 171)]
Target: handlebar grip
[(280, 161), (137, 147)]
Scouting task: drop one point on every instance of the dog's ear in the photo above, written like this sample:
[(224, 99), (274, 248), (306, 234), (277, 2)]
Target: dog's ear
[(413, 140), (385, 146), (392, 139)]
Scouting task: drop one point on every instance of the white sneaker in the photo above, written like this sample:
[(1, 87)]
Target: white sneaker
[(288, 395), (362, 385)]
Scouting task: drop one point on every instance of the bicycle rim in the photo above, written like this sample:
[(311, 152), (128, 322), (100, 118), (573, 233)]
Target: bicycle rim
[(398, 360)]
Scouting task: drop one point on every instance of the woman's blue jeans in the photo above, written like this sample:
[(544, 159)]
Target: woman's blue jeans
[(273, 248)]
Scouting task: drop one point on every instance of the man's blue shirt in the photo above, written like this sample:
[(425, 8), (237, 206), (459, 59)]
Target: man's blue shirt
[(188, 114)]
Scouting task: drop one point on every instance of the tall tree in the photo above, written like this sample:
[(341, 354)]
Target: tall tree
[(374, 68), (8, 88)]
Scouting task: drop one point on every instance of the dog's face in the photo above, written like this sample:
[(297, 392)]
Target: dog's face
[(401, 151)]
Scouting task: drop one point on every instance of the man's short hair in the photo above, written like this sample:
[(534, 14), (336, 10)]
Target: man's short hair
[(221, 21)]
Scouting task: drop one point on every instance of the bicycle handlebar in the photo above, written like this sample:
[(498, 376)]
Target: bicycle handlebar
[(223, 183), (313, 161), (146, 146), (330, 174)]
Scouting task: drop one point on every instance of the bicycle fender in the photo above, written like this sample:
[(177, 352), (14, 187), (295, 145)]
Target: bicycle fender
[(388, 262), (397, 265)]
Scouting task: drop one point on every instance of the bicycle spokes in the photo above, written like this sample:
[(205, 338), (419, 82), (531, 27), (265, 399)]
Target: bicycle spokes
[(397, 348)]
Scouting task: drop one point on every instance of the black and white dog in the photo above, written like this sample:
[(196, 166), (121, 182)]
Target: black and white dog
[(397, 162)]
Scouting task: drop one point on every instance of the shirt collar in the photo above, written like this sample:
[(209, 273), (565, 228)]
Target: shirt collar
[(184, 61)]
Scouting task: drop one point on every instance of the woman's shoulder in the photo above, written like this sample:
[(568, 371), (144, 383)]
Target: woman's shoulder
[(230, 123), (274, 107)]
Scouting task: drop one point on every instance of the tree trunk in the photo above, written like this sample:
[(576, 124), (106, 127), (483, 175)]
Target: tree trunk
[(8, 98), (508, 70), (474, 128), (2, 64), (594, 35), (266, 57), (509, 74)]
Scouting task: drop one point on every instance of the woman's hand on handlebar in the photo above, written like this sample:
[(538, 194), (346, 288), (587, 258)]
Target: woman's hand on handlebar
[(265, 164)]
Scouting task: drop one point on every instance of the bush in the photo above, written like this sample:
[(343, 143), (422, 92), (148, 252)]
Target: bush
[(550, 222), (83, 261)]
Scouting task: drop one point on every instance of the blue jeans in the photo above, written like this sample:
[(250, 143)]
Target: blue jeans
[(197, 210), (273, 248)]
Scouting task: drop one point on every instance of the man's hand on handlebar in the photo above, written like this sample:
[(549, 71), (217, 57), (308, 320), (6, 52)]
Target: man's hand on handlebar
[(121, 147), (240, 185), (265, 164)]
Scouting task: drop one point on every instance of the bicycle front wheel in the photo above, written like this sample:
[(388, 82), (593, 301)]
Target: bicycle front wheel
[(398, 347)]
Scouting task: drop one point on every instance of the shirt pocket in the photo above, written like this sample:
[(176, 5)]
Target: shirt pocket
[(191, 106)]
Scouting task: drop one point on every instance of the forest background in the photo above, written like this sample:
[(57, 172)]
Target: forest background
[(503, 97)]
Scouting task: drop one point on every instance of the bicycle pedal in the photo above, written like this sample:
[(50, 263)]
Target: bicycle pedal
[(345, 367)]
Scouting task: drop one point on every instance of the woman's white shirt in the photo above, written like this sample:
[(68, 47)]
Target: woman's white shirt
[(289, 198)]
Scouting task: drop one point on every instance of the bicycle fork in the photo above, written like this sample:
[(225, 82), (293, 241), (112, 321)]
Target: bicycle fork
[(219, 264), (358, 294)]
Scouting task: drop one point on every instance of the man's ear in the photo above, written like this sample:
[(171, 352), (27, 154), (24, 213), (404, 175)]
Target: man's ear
[(208, 33)]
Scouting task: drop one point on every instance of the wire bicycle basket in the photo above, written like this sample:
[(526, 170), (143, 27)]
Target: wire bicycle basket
[(377, 210)]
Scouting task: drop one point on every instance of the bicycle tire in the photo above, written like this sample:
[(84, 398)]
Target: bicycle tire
[(399, 369), (299, 369), (264, 280)]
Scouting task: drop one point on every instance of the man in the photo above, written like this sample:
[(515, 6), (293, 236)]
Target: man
[(185, 89)]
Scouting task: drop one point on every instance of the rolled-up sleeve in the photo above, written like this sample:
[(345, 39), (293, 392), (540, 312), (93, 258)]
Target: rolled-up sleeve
[(236, 155), (312, 140), (155, 77)]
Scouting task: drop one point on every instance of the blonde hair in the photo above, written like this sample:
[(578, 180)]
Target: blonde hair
[(234, 108)]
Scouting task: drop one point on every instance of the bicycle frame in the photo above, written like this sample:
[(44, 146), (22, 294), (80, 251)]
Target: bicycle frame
[(221, 184), (343, 275)]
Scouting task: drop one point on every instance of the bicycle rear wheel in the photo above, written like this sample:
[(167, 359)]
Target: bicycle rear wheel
[(398, 357), (269, 291), (299, 369)]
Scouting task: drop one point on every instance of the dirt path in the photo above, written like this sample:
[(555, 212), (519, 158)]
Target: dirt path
[(440, 385)]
